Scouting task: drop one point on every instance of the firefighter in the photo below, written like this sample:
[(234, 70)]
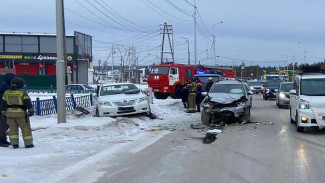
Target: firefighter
[(5, 85), (16, 106), (210, 83), (185, 93), (192, 97), (198, 94)]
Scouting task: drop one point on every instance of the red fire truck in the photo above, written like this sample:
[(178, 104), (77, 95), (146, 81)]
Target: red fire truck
[(167, 79)]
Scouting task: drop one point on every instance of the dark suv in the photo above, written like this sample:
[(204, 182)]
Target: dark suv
[(270, 89)]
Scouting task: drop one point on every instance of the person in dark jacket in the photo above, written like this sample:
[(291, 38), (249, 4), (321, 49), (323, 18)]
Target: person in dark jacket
[(5, 85), (209, 85), (198, 94), (185, 93)]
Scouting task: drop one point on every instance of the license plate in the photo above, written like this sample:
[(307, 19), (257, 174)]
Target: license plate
[(126, 108), (156, 90)]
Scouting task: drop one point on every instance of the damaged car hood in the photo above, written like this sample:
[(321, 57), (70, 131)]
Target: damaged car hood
[(225, 98)]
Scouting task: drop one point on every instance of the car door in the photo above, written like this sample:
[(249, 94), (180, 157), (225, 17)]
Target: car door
[(173, 76)]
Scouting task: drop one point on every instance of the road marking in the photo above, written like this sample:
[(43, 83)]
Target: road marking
[(140, 142)]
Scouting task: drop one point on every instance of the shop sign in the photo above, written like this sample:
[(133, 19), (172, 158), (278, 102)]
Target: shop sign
[(32, 57)]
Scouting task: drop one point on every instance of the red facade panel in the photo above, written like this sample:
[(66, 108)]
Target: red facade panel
[(50, 69), (26, 69)]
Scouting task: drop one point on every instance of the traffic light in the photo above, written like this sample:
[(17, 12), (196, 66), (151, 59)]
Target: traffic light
[(41, 66), (74, 67)]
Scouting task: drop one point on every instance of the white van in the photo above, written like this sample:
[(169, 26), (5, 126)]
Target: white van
[(307, 101)]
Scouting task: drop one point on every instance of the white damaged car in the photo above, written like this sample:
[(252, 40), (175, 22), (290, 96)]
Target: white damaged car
[(119, 99)]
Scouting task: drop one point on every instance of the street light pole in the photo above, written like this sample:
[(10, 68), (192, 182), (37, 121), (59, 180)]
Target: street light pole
[(188, 50), (60, 63), (214, 42)]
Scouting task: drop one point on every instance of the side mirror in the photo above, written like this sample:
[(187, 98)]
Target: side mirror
[(250, 93), (293, 92)]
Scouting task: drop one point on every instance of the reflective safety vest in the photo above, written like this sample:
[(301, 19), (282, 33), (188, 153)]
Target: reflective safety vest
[(193, 88), (15, 102)]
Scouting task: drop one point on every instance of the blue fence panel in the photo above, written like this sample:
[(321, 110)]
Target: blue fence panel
[(69, 104), (47, 107), (83, 101)]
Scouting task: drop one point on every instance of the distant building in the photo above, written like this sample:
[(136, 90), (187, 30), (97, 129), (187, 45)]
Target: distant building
[(35, 54)]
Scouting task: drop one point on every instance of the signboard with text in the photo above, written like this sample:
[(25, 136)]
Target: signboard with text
[(33, 57)]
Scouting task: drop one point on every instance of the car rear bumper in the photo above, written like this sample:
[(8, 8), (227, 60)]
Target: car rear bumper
[(284, 101)]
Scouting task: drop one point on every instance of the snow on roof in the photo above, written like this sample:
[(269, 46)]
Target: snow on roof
[(313, 76), (30, 34)]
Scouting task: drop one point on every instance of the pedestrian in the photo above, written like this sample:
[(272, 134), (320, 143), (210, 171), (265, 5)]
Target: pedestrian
[(185, 93), (208, 86), (199, 96), (16, 106), (5, 85), (192, 97)]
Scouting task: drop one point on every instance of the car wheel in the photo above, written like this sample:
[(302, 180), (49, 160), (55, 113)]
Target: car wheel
[(298, 128), (97, 112), (264, 97), (291, 120), (205, 117), (246, 118)]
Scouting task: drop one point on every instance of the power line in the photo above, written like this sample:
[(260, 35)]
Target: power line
[(178, 8), (166, 11)]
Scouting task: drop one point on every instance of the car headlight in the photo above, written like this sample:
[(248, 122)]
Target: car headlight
[(252, 88), (142, 99), (241, 104), (104, 103), (267, 91), (206, 105), (282, 95), (304, 104), (262, 88)]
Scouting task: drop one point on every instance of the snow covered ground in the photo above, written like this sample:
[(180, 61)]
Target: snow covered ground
[(65, 149)]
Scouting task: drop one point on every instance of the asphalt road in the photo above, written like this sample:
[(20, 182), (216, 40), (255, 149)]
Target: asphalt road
[(257, 153)]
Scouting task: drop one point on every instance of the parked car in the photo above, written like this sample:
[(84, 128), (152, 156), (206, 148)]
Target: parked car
[(227, 101), (307, 101), (271, 87), (117, 99), (204, 80), (256, 86), (79, 88), (283, 96)]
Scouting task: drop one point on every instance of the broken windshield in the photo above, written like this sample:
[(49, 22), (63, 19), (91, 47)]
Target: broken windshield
[(228, 88)]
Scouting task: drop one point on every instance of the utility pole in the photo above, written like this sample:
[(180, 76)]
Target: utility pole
[(60, 63), (99, 62), (188, 53), (168, 29), (194, 16), (214, 50), (112, 63)]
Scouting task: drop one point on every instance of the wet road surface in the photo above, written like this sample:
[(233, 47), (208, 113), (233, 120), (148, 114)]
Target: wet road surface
[(258, 153)]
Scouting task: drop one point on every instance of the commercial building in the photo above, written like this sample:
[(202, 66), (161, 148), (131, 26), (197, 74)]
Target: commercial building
[(35, 55)]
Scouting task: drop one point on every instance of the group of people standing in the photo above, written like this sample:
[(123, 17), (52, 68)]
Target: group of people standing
[(191, 94), (16, 108)]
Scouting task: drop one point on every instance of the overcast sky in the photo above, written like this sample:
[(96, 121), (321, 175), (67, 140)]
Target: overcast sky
[(255, 31)]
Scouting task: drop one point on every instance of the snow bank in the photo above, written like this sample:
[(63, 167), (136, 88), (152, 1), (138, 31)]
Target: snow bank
[(59, 146)]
